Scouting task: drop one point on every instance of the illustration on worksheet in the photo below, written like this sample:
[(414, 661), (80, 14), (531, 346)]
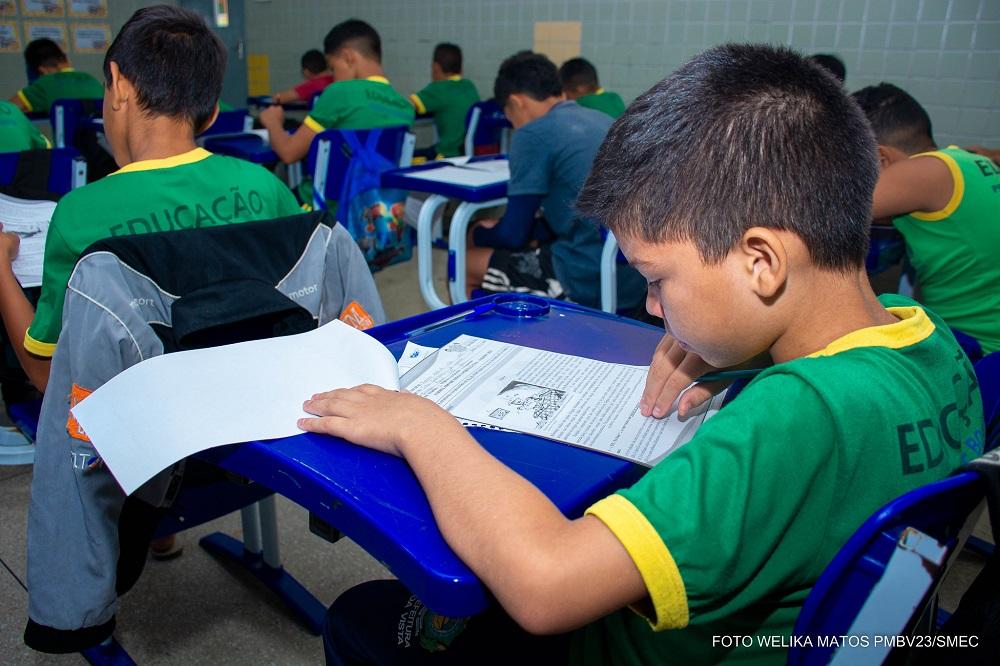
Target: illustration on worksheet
[(541, 402)]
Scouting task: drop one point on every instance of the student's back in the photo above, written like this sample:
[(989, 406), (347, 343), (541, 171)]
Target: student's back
[(359, 104), (17, 132), (65, 84), (448, 96), (606, 102)]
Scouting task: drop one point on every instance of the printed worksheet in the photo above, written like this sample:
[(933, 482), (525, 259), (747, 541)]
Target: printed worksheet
[(29, 219)]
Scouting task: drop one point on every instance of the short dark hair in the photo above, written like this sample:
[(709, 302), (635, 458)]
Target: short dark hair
[(43, 53), (897, 119), (314, 61), (448, 57), (527, 73), (356, 34), (578, 73), (743, 135), (173, 59), (832, 64)]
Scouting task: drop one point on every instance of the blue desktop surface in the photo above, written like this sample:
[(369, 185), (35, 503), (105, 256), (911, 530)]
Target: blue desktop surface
[(375, 499), (409, 179), (249, 147)]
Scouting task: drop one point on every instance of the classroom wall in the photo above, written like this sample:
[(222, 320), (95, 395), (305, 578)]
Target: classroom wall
[(945, 52)]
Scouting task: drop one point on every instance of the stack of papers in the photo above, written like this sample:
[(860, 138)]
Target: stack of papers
[(30, 221), (470, 174)]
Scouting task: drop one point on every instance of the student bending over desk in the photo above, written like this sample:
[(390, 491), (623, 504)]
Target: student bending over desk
[(946, 203), (17, 133), (551, 152), (56, 79), (727, 535), (317, 77), (448, 96)]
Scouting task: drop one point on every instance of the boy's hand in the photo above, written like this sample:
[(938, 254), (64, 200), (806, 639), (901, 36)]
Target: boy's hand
[(272, 116), (10, 244), (374, 417), (671, 370)]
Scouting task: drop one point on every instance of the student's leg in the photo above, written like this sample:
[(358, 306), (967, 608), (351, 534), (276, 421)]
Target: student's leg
[(380, 622), (527, 271), (477, 261)]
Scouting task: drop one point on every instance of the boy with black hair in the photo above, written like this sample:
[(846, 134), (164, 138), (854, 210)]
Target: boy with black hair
[(727, 535), (155, 102), (579, 83), (448, 97), (946, 203), (551, 151), (360, 97), (56, 79), (317, 77), (832, 64)]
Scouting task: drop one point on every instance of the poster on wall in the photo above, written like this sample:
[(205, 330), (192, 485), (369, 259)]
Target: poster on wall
[(10, 38), (54, 31), (221, 11), (47, 8), (88, 8), (8, 7), (91, 37)]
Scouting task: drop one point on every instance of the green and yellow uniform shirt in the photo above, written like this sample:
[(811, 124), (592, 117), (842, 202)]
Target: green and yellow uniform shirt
[(449, 100), (17, 132), (603, 101), (359, 104), (731, 532), (956, 250), (65, 84), (188, 191)]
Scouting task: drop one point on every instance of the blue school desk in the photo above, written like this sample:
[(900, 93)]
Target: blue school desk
[(472, 199), (374, 498)]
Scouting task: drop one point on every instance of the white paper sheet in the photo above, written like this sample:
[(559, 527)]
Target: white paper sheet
[(464, 175), (496, 167), (169, 407), (412, 355), (30, 221)]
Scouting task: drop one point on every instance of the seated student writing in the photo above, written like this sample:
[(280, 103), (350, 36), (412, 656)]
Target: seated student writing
[(579, 83), (727, 535), (163, 75), (946, 204), (551, 151), (17, 132), (317, 77), (359, 98), (448, 96), (56, 79)]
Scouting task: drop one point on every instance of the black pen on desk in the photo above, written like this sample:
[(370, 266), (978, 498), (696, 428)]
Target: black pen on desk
[(729, 374)]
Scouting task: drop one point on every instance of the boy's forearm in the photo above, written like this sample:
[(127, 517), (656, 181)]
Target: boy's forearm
[(17, 313)]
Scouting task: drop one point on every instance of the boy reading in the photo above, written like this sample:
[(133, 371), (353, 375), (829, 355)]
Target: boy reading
[(155, 102), (551, 151), (745, 254), (317, 77), (359, 98), (946, 204), (56, 79), (579, 82), (448, 96)]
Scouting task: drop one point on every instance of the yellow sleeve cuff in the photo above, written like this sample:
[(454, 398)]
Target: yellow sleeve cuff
[(24, 100), (38, 348), (655, 563), (418, 103), (956, 194), (311, 123)]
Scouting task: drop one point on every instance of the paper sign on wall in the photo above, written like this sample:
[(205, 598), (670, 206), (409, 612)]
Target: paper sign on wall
[(91, 38), (559, 40), (8, 7), (54, 31), (10, 38), (258, 74), (88, 8), (47, 8)]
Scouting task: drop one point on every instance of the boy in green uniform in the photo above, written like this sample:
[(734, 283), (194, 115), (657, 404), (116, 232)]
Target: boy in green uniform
[(946, 203), (154, 102), (56, 79), (579, 81), (448, 96), (17, 132), (745, 255), (359, 98)]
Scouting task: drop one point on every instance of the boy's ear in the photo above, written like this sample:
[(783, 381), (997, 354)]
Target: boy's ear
[(884, 159), (209, 122), (765, 261), (122, 91)]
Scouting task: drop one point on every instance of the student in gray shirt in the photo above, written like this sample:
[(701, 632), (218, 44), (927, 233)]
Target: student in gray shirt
[(551, 152)]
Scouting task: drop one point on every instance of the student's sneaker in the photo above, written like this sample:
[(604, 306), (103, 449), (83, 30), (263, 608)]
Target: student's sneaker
[(109, 653), (166, 548)]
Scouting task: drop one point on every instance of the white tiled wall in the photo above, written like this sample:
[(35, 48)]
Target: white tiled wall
[(945, 52)]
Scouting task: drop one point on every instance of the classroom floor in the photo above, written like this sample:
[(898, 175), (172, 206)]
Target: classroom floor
[(194, 610)]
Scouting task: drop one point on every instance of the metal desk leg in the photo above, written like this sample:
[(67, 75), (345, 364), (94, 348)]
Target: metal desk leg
[(425, 258), (609, 274), (457, 245)]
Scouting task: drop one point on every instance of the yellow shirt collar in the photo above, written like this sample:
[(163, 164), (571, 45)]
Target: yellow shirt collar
[(378, 79), (913, 326), (454, 77), (196, 155)]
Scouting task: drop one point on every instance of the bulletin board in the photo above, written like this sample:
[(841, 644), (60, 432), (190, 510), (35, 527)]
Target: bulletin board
[(78, 26)]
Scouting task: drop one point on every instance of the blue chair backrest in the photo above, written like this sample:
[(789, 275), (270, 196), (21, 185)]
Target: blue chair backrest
[(886, 249), (67, 169), (330, 154), (66, 116), (969, 345), (940, 510), (988, 374), (490, 123), (230, 122)]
